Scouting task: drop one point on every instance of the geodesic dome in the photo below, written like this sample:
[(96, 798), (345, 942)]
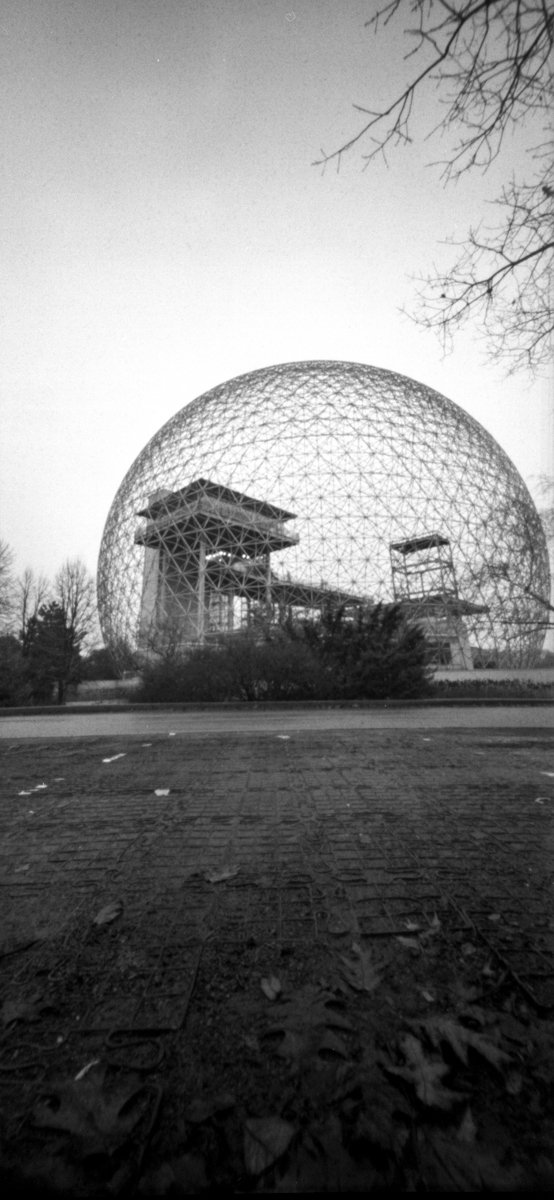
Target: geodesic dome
[(363, 459)]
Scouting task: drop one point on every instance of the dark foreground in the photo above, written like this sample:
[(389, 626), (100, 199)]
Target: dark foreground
[(317, 960)]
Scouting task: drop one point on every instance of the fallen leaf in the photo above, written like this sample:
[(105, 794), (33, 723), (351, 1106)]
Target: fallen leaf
[(514, 1083), (99, 1119), (360, 971), (40, 787), (109, 913), (332, 1044), (115, 756), (25, 1010), (161, 792), (220, 876), (343, 920), (408, 942), (271, 987), (24, 793), (85, 1070), (283, 737), (425, 1074), (460, 1039), (144, 744), (172, 734), (303, 1020), (203, 1108), (266, 1139), (495, 917), (25, 867), (451, 1166), (467, 1129)]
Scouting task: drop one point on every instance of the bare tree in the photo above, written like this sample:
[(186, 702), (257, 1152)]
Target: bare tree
[(75, 592), (489, 62), (7, 585), (32, 591)]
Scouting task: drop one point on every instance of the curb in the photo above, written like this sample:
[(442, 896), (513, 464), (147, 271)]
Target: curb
[(271, 705)]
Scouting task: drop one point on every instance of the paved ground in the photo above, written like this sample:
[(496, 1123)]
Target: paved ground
[(314, 827), (248, 721), (388, 821)]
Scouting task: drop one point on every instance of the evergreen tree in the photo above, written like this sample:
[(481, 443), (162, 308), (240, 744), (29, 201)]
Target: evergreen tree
[(51, 648)]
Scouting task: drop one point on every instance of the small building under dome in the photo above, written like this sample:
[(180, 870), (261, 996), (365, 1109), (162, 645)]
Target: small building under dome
[(207, 566), (207, 570)]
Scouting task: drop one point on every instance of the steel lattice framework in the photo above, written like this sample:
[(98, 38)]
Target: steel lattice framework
[(314, 480)]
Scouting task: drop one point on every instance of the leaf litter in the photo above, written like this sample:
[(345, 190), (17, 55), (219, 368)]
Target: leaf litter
[(99, 1118), (426, 1075), (266, 1139), (360, 971), (109, 913), (307, 1023), (444, 1030)]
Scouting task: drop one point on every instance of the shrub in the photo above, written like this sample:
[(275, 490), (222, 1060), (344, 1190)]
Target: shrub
[(15, 687), (373, 655)]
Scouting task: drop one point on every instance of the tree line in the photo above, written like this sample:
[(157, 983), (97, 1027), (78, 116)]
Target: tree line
[(47, 631)]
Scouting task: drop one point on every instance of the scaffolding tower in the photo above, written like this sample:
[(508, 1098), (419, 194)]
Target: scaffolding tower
[(424, 584)]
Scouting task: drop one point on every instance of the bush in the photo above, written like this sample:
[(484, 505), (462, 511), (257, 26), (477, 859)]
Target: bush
[(99, 664), (374, 655), (15, 687), (239, 667)]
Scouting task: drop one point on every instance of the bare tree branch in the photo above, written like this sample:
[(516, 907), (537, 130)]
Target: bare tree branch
[(7, 585), (489, 62), (74, 591)]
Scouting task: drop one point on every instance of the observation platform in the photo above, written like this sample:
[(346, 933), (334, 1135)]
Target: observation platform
[(220, 517)]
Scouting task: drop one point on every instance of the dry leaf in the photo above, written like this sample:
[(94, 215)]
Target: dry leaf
[(203, 1108), (25, 1010), (451, 1166), (360, 972), (113, 759), (271, 987), (220, 876), (85, 1070), (109, 913), (425, 1074), (460, 1039), (343, 920), (467, 1129), (161, 792), (514, 1083), (100, 1121), (266, 1139), (304, 1019)]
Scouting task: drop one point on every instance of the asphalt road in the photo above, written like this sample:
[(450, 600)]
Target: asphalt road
[(250, 722)]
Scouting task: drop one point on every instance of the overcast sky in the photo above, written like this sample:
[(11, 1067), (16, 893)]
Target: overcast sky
[(163, 231)]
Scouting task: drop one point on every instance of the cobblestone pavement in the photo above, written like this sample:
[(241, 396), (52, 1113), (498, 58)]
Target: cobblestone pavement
[(317, 836)]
